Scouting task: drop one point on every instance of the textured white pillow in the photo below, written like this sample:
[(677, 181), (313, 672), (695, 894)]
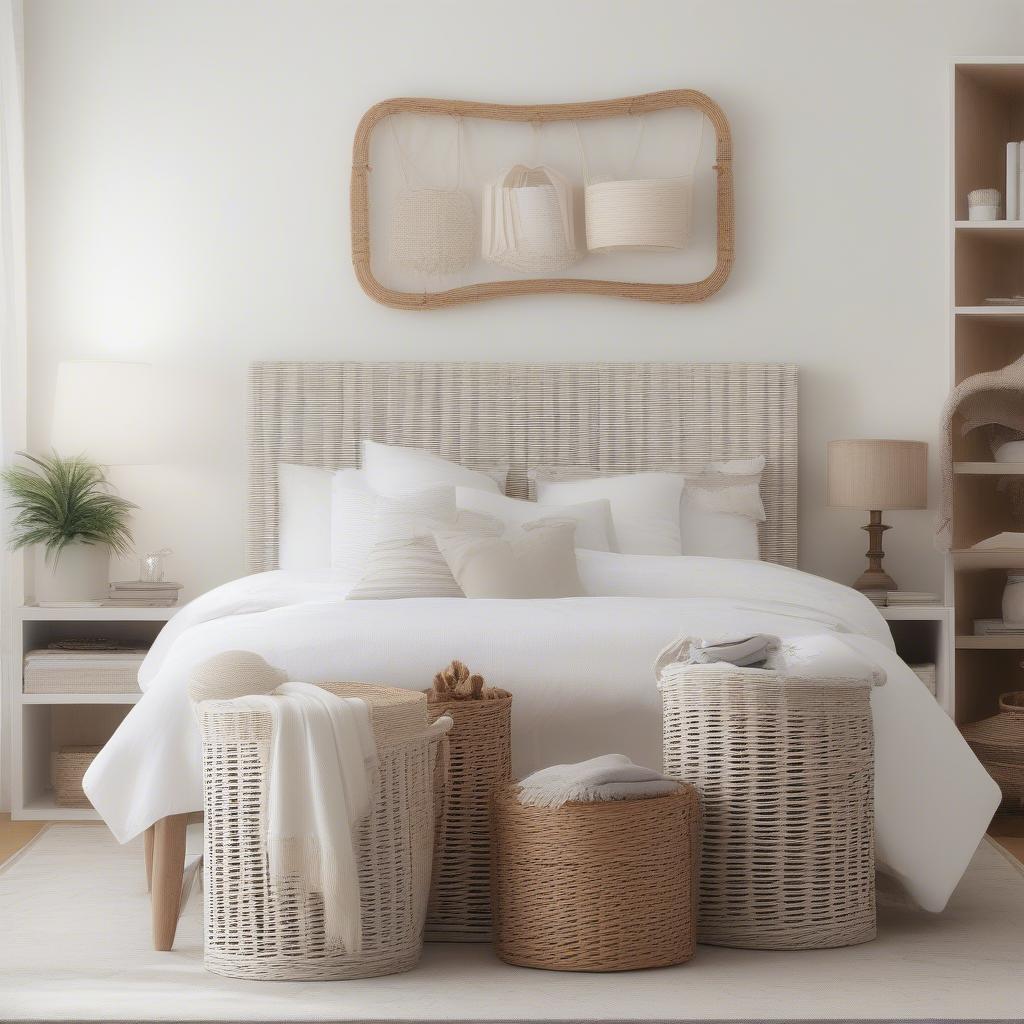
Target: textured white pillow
[(360, 517), (391, 469), (593, 519), (645, 506), (535, 560), (304, 514), (721, 508)]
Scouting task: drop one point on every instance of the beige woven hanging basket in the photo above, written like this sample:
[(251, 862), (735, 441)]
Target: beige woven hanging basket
[(998, 743), (639, 214), (528, 219), (784, 768), (603, 886), (480, 761), (433, 230), (260, 932)]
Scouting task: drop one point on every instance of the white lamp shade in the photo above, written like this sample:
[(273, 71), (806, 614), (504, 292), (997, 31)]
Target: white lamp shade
[(105, 411), (876, 475)]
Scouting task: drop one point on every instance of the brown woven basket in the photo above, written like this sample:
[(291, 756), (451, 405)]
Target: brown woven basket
[(480, 760), (72, 764), (998, 743), (608, 886)]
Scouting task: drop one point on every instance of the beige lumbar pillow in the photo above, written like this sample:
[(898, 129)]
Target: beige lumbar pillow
[(537, 559)]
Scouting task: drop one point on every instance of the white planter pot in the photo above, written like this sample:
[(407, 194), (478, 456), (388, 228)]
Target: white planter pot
[(80, 574)]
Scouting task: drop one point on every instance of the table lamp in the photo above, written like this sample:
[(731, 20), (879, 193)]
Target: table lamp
[(876, 476)]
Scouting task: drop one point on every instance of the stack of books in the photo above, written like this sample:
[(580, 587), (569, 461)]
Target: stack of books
[(142, 594), (902, 598)]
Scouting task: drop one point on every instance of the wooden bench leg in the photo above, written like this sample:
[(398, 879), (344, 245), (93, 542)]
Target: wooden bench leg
[(167, 874), (147, 839)]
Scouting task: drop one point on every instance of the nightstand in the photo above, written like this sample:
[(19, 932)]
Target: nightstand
[(43, 722), (924, 634)]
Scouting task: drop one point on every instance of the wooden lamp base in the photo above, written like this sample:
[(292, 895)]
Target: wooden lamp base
[(874, 577)]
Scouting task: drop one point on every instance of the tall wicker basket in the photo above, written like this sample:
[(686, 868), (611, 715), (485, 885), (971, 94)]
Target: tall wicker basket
[(256, 931), (784, 768), (481, 759)]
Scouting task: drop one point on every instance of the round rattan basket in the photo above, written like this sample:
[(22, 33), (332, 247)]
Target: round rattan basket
[(604, 886), (480, 760), (784, 768), (257, 931), (998, 743)]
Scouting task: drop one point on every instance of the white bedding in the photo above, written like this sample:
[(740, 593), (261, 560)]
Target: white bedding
[(581, 673)]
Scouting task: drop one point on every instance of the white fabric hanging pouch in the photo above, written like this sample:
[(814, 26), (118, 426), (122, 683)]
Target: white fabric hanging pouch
[(527, 220), (639, 214), (432, 229)]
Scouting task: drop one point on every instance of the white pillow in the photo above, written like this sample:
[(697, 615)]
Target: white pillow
[(721, 508), (391, 469), (536, 560), (593, 519), (645, 506), (304, 514), (359, 518)]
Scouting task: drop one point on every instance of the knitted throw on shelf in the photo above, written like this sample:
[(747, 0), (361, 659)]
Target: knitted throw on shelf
[(996, 397)]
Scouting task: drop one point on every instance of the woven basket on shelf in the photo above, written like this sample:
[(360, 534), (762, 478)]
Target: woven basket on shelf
[(480, 760), (258, 932), (72, 764), (998, 743), (784, 768), (604, 886)]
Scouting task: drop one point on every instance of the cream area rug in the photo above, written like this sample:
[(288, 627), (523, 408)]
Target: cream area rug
[(75, 946)]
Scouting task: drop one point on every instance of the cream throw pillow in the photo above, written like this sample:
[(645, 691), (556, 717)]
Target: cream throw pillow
[(534, 560)]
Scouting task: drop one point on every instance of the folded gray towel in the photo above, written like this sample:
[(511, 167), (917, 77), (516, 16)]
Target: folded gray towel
[(744, 652)]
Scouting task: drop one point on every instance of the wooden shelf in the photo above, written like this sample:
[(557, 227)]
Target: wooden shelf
[(989, 468), (99, 613), (978, 560), (81, 698), (994, 314), (993, 230), (1007, 642)]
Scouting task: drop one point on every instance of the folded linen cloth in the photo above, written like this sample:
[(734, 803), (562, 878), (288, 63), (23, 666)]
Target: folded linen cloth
[(820, 658), (609, 777), (323, 758), (745, 652)]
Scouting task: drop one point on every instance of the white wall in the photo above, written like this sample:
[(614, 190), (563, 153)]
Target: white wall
[(188, 171)]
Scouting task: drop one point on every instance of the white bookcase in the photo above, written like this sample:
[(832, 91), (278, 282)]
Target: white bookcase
[(42, 722)]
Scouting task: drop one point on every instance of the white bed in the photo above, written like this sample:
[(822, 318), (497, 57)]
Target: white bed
[(580, 668)]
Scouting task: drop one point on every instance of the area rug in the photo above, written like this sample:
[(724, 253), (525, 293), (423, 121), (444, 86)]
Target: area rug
[(75, 946)]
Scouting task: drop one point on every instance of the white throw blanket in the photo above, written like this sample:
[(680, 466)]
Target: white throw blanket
[(320, 786), (609, 777)]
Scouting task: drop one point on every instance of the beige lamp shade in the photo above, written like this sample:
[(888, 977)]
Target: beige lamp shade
[(105, 411), (877, 475)]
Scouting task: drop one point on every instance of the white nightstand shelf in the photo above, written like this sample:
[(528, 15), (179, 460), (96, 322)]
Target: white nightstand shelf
[(924, 634), (43, 722)]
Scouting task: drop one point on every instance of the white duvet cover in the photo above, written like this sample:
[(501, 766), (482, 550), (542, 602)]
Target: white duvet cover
[(580, 670)]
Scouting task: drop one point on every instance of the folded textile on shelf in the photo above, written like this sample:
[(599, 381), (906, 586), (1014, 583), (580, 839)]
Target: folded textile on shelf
[(744, 652), (609, 777)]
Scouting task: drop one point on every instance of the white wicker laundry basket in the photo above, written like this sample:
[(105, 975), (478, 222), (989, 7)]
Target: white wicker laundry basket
[(784, 768), (256, 931)]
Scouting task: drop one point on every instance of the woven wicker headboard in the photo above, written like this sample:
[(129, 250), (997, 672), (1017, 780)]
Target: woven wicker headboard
[(611, 416)]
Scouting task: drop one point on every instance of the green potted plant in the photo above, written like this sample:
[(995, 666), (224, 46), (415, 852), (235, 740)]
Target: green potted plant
[(66, 511)]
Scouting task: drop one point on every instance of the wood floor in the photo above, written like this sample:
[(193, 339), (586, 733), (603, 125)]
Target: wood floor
[(1006, 829)]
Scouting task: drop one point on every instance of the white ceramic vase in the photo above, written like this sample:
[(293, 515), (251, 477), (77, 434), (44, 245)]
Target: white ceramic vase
[(80, 574)]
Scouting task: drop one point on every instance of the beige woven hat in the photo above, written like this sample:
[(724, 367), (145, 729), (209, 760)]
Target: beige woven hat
[(639, 214), (432, 229)]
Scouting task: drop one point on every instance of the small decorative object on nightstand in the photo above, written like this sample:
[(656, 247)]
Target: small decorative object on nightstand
[(877, 475)]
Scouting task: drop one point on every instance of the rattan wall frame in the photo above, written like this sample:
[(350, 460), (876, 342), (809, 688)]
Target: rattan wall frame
[(693, 291), (621, 417)]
